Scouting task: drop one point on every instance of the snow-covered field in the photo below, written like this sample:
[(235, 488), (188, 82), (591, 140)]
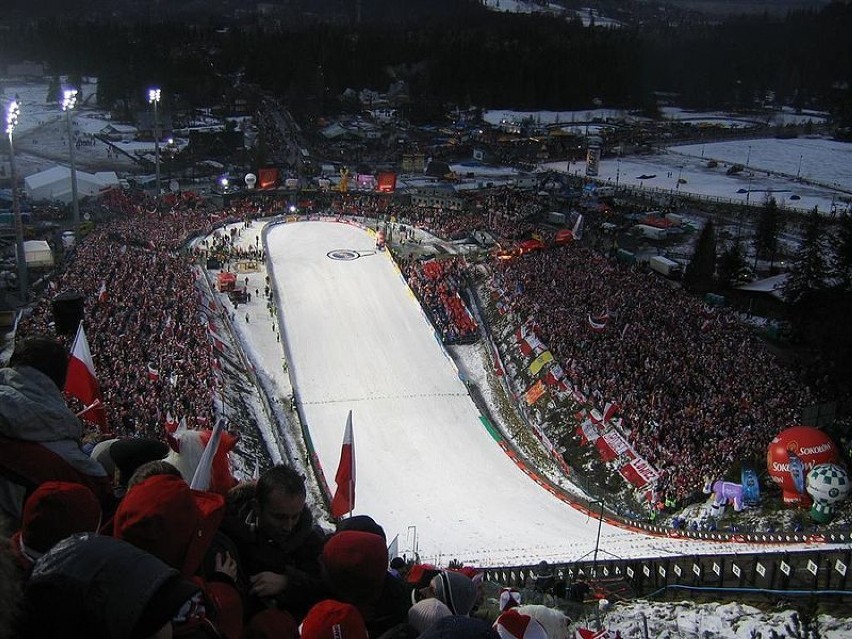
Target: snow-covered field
[(427, 469)]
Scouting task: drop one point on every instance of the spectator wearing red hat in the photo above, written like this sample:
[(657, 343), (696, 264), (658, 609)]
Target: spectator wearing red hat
[(54, 511), (163, 516), (514, 625), (40, 435), (330, 619), (355, 571), (279, 543)]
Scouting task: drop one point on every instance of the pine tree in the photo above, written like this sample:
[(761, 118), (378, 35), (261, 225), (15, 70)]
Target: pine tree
[(701, 269), (769, 226), (731, 264), (841, 262), (808, 271)]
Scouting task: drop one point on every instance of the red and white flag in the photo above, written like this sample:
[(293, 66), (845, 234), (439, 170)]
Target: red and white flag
[(153, 373), (82, 381), (103, 296), (344, 497)]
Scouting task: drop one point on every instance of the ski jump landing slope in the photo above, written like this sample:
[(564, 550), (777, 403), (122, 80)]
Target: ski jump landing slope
[(426, 468)]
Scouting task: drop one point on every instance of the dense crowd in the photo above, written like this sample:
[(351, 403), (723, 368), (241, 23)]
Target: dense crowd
[(697, 391), (140, 314), (437, 284)]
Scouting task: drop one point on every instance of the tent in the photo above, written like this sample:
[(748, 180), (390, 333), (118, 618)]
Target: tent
[(54, 184), (38, 254)]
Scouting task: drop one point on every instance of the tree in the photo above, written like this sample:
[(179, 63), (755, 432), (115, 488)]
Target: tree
[(841, 262), (769, 225), (808, 271), (731, 264), (701, 269)]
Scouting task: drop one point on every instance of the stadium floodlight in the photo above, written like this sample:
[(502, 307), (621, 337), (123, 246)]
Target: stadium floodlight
[(12, 114), (154, 100), (69, 101)]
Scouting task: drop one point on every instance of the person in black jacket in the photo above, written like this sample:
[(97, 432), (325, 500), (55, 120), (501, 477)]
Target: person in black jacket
[(93, 587), (278, 542)]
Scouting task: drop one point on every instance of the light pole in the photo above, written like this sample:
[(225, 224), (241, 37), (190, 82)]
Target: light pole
[(69, 101), (154, 99), (23, 276), (597, 539)]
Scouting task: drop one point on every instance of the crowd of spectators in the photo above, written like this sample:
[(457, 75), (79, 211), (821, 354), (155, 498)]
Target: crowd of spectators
[(697, 390), (140, 313), (437, 284)]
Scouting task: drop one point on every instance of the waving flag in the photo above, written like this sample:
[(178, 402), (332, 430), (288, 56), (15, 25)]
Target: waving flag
[(204, 471), (596, 327), (153, 373), (539, 362), (344, 497), (82, 381), (103, 296)]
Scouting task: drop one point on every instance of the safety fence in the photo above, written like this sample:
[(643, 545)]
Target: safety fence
[(824, 571)]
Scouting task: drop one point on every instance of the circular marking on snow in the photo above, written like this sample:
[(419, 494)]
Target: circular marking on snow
[(343, 255), (347, 255)]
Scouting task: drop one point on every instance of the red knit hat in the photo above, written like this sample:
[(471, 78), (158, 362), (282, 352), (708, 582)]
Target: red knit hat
[(355, 564), (163, 516), (513, 625), (331, 619), (56, 510)]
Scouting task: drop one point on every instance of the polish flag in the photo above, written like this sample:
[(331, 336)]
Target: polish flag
[(171, 423), (103, 296), (82, 381), (153, 373), (344, 496)]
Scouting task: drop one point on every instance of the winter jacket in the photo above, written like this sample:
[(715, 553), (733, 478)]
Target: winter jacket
[(40, 440), (96, 587), (297, 556)]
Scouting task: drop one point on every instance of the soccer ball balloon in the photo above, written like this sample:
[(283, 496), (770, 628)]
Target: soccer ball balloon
[(827, 484)]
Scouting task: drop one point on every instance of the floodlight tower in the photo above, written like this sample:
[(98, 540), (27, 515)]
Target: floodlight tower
[(154, 99), (69, 101), (12, 114)]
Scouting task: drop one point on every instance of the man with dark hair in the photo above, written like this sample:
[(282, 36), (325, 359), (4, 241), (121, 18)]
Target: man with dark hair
[(39, 435), (279, 543)]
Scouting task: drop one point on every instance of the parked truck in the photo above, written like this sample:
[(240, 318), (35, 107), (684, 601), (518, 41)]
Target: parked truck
[(664, 266), (650, 232)]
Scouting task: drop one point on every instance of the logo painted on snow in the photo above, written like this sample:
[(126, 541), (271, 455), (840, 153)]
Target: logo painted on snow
[(347, 255)]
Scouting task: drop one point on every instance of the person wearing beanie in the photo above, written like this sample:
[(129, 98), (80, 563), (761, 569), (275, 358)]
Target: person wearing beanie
[(54, 511), (514, 625), (129, 454), (509, 598), (94, 587), (355, 570), (330, 619), (40, 437), (425, 613), (278, 542), (555, 622), (460, 627), (455, 590), (163, 516)]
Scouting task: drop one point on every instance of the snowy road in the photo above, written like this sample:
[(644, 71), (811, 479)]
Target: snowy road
[(426, 466)]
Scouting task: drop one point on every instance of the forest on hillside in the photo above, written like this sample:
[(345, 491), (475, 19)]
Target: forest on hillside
[(487, 59)]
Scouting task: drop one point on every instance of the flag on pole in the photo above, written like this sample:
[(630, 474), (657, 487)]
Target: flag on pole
[(344, 497), (393, 548), (153, 373), (82, 381), (204, 470)]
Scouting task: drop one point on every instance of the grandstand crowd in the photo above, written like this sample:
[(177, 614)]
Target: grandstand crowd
[(696, 393)]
